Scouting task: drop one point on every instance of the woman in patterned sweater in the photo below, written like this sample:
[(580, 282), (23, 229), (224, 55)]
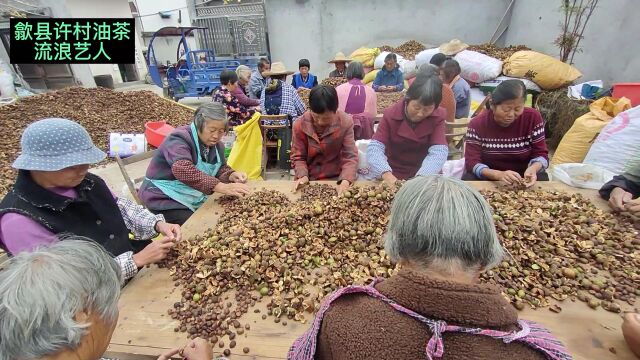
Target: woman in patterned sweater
[(236, 112), (506, 142)]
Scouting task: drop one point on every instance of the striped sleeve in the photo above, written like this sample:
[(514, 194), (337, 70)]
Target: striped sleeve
[(140, 221), (376, 158), (538, 143), (433, 162), (127, 266), (477, 170)]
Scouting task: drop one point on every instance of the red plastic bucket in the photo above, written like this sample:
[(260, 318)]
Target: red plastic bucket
[(156, 131), (629, 90)]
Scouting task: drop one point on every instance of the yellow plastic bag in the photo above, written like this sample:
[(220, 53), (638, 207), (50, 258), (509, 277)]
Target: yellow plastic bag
[(549, 73), (366, 56), (371, 75), (575, 144), (246, 154)]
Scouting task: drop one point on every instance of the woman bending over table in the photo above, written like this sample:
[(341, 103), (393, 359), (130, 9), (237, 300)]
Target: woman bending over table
[(442, 233), (323, 145), (189, 166), (506, 142), (55, 193), (410, 138)]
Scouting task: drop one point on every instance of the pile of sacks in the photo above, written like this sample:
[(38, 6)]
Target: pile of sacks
[(538, 71)]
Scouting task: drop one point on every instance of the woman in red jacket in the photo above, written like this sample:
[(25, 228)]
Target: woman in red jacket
[(323, 145), (506, 142)]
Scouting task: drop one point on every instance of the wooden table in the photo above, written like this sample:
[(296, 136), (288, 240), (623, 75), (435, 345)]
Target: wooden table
[(144, 327)]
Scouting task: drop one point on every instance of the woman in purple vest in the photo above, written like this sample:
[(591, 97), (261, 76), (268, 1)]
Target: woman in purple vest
[(304, 79), (358, 100)]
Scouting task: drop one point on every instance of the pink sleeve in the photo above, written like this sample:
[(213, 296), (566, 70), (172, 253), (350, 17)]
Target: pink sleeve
[(343, 95), (371, 106), (20, 233)]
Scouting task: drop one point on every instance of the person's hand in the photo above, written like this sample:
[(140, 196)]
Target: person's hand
[(389, 178), (198, 349), (169, 353), (631, 331), (238, 177), (233, 189), (633, 206), (153, 252), (343, 186), (510, 177), (618, 198), (530, 176), (257, 108), (299, 183), (170, 231)]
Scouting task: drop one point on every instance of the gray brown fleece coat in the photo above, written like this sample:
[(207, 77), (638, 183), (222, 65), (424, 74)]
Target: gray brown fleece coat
[(361, 327)]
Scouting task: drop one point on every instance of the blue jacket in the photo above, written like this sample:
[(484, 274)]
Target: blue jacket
[(311, 82), (389, 78)]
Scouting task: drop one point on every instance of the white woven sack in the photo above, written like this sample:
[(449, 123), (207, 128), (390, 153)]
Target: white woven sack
[(618, 143), (477, 67)]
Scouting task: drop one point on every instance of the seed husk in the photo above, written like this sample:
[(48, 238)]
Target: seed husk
[(283, 253)]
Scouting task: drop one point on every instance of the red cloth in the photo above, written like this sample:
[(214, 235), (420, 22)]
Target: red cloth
[(329, 155), (509, 148), (362, 126), (406, 147)]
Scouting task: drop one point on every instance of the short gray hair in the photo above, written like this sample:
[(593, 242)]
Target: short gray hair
[(243, 72), (355, 70), (428, 70), (443, 223), (42, 292), (213, 111)]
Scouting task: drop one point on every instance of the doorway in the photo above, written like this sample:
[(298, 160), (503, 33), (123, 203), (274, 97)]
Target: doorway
[(128, 72)]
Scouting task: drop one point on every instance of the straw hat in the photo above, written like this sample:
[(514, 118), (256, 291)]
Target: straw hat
[(54, 144), (339, 58), (277, 68), (453, 47)]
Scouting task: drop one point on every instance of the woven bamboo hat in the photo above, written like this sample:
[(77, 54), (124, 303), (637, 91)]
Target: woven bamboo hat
[(277, 68), (339, 58), (453, 47)]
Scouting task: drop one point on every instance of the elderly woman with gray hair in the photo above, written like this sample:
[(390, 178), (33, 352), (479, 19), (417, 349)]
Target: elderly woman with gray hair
[(190, 165), (61, 302), (240, 92), (441, 233)]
